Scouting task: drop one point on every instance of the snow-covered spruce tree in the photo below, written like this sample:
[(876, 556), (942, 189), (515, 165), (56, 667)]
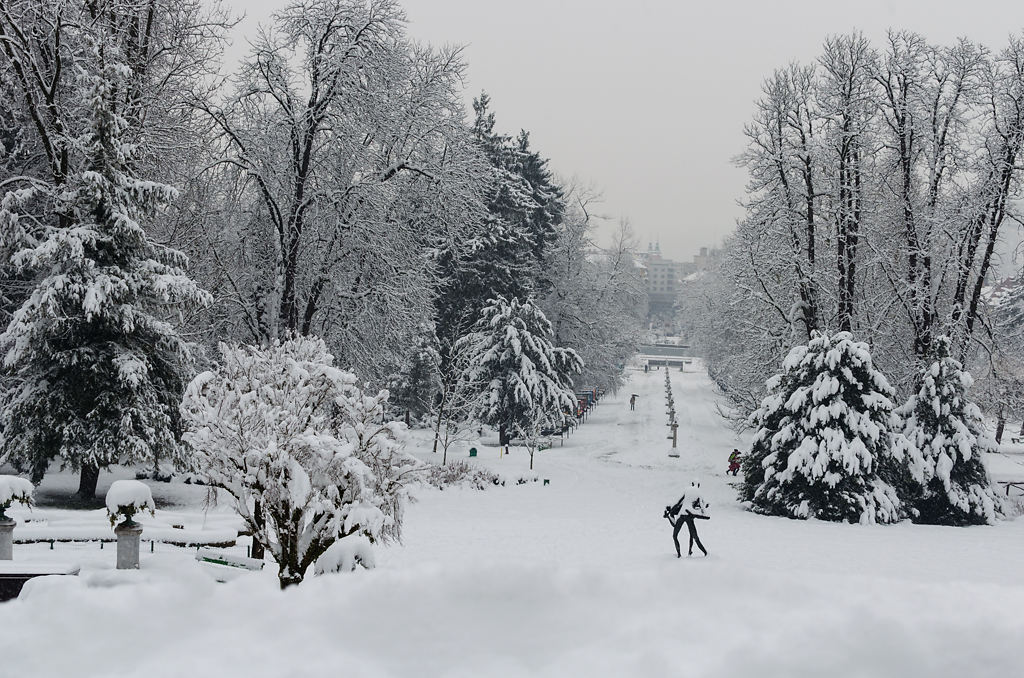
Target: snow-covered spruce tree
[(502, 255), (944, 438), (97, 368), (300, 448), (414, 387), (822, 447), (523, 382)]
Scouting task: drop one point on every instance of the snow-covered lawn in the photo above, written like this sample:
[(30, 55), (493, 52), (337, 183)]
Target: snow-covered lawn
[(576, 578)]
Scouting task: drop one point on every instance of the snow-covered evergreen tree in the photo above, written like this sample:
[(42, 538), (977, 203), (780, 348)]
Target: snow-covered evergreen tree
[(944, 438), (414, 387), (301, 449), (522, 380), (822, 447), (97, 366), (524, 208)]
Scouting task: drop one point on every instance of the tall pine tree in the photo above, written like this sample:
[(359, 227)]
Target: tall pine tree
[(98, 367), (525, 207), (822, 444), (944, 439), (523, 382)]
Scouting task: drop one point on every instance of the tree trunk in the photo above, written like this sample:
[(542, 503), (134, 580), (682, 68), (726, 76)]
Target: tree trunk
[(287, 580), (90, 476), (257, 546), (437, 428), (407, 418), (290, 571)]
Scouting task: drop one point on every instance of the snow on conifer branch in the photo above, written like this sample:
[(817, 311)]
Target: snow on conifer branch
[(943, 438), (822, 447), (97, 367), (522, 380)]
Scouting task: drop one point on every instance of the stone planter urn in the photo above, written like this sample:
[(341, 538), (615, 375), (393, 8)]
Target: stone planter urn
[(125, 498), (7, 538), (12, 489), (129, 537)]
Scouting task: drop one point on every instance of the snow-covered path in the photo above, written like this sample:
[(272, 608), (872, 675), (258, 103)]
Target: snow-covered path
[(575, 578), (609, 484)]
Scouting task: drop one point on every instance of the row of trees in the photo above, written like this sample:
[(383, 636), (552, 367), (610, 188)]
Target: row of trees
[(830, 443), (332, 186), (882, 180)]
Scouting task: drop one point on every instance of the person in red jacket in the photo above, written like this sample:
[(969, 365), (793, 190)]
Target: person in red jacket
[(734, 462)]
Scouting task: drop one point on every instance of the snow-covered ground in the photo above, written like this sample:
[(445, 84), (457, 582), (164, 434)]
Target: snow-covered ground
[(574, 578)]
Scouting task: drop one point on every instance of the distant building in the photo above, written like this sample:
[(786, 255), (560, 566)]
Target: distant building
[(664, 277), (705, 260)]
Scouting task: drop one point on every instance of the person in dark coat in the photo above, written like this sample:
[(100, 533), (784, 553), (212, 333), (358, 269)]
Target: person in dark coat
[(690, 507), (632, 402)]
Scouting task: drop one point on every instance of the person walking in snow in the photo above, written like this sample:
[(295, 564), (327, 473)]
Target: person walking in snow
[(690, 507), (734, 462), (632, 402)]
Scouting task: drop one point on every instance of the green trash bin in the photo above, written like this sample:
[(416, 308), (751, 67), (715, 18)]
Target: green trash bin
[(472, 451)]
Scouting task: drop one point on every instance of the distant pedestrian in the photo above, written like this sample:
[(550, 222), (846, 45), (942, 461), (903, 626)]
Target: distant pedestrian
[(632, 402), (690, 507), (734, 462), (647, 367)]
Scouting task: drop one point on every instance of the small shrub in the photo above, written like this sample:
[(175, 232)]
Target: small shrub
[(461, 473)]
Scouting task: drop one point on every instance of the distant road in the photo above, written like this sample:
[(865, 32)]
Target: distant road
[(670, 351)]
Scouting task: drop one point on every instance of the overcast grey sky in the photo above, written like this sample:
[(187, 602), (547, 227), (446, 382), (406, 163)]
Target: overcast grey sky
[(647, 99)]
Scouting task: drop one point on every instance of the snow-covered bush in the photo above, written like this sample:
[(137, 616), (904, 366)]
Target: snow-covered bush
[(460, 473), (125, 498), (822, 447), (517, 478), (523, 381), (943, 438), (300, 448), (14, 489), (345, 555)]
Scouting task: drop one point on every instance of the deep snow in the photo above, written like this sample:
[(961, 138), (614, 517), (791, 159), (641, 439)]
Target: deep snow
[(578, 577)]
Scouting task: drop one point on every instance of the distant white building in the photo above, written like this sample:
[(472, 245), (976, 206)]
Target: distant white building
[(661, 277), (664, 277)]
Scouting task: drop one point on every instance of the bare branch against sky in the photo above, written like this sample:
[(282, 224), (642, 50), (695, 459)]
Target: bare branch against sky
[(647, 99)]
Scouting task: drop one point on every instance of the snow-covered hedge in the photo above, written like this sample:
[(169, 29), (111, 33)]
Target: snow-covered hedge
[(125, 498), (461, 473)]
